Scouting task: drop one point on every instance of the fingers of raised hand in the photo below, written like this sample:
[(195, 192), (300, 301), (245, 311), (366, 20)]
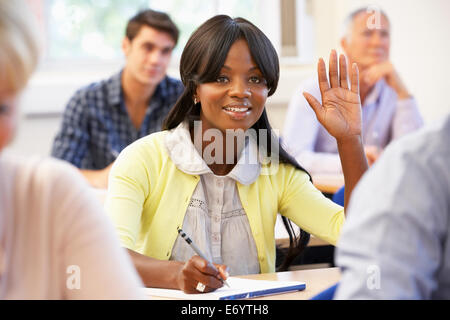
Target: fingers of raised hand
[(343, 72), (333, 70), (322, 75), (355, 79), (337, 75), (315, 105)]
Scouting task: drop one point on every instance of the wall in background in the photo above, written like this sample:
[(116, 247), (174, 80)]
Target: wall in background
[(420, 52)]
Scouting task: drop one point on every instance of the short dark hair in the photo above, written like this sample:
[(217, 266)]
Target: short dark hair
[(153, 19)]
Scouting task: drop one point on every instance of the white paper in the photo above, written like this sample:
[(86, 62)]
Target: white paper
[(237, 286)]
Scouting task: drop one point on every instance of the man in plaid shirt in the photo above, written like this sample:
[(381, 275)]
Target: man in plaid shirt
[(101, 119)]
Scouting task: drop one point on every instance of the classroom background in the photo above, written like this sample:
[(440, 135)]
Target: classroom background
[(82, 44)]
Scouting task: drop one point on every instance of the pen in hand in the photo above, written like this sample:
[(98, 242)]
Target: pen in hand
[(197, 250)]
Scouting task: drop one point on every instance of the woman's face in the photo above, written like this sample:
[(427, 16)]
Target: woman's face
[(236, 99), (8, 118)]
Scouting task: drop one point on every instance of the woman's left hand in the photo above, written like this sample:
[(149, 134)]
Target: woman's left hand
[(340, 111)]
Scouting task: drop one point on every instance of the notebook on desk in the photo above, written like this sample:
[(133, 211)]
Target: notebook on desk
[(239, 289)]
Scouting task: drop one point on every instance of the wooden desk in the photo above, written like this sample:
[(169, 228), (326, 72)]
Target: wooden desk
[(282, 237), (328, 183), (316, 280)]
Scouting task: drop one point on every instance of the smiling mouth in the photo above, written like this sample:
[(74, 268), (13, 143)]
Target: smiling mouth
[(237, 112), (236, 109)]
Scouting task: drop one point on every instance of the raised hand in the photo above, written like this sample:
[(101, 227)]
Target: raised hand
[(340, 111)]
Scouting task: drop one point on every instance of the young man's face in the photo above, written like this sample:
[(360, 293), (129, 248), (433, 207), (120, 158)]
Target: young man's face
[(148, 55)]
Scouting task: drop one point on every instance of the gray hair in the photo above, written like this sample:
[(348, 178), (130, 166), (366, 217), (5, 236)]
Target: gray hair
[(348, 22)]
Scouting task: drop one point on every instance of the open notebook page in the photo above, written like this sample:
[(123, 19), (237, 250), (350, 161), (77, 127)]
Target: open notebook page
[(239, 289)]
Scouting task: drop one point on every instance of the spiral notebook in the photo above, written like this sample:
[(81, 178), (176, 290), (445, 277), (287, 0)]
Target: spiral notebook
[(239, 289)]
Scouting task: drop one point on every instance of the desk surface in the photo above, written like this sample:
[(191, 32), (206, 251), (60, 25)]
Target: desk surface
[(282, 237), (316, 281), (328, 183)]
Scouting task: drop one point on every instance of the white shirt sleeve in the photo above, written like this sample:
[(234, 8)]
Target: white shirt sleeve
[(391, 244)]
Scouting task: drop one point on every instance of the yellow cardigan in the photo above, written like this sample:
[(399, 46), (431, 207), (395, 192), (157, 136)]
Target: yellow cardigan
[(148, 198)]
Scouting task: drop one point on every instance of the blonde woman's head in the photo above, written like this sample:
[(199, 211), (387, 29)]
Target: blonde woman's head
[(19, 54)]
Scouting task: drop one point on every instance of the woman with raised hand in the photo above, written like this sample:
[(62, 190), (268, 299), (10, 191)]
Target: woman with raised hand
[(218, 172), (55, 240)]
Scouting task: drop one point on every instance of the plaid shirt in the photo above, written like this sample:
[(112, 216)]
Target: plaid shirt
[(96, 126)]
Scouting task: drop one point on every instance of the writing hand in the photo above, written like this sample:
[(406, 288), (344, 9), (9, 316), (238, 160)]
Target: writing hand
[(197, 270)]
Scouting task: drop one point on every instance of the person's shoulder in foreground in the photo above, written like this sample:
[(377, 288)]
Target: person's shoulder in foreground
[(64, 245), (395, 243)]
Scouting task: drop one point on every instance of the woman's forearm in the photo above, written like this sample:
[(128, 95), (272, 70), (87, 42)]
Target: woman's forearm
[(354, 163), (156, 273)]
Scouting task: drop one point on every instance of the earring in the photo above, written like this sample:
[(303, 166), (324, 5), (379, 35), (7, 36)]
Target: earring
[(195, 100)]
